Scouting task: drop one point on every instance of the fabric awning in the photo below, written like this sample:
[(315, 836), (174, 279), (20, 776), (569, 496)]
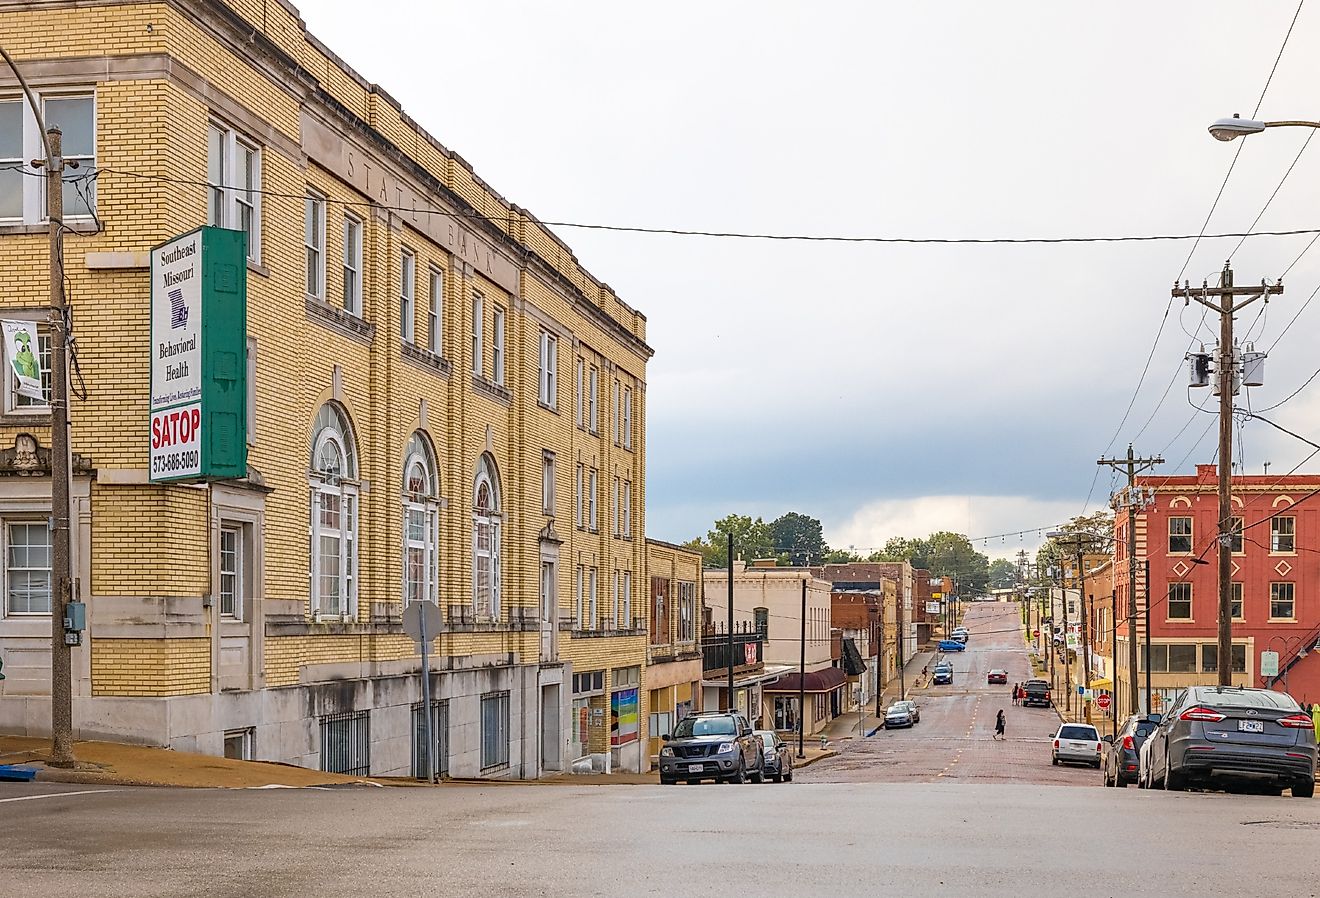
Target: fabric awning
[(1102, 683), (853, 664), (824, 680)]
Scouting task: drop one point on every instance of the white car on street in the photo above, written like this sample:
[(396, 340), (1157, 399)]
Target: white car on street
[(1078, 743)]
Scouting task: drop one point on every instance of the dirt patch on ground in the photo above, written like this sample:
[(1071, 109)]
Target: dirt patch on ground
[(115, 763)]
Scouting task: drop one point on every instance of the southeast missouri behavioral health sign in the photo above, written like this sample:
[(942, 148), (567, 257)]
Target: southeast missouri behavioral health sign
[(199, 357)]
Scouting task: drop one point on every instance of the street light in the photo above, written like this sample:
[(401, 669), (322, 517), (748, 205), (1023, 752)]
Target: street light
[(1287, 644), (1232, 128)]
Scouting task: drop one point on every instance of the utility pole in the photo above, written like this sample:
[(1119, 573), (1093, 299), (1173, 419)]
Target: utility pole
[(1131, 500), (1067, 660), (733, 704), (1222, 300), (62, 639), (1148, 690), (802, 673), (1113, 648)]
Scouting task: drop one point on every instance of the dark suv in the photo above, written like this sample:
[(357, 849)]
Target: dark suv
[(1037, 692), (712, 745)]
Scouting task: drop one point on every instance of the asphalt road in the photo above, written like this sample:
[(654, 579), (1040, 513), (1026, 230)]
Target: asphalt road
[(918, 839), (954, 740)]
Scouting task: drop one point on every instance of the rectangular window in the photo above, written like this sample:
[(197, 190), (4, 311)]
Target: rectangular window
[(1236, 528), (548, 482), (1283, 533), (314, 243), (234, 174), (1182, 659), (16, 402), (1282, 606), (1239, 662), (592, 492), (1209, 657), (547, 368), (615, 415), (614, 506), (627, 621), (1237, 601), (352, 265), (687, 611), (614, 605), (593, 600), (346, 743), (497, 347), (1180, 536), (1180, 601), (478, 365), (627, 509), (407, 296), (22, 187), (627, 418), (1159, 658), (593, 405), (579, 394), (27, 567), (231, 572), (494, 730), (436, 314), (577, 594), (238, 745), (577, 496)]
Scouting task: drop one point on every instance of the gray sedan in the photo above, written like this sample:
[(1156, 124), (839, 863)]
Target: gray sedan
[(778, 757)]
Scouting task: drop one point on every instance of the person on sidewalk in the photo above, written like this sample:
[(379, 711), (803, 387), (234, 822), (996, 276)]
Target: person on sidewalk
[(999, 724)]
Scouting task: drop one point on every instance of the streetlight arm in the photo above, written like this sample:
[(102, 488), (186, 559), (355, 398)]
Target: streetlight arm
[(1292, 124), (32, 101), (1232, 128)]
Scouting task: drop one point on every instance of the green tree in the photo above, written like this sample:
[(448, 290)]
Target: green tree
[(952, 555), (1003, 574), (842, 556), (751, 539), (798, 538)]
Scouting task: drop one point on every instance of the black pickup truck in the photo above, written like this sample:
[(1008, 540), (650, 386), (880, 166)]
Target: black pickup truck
[(1037, 692)]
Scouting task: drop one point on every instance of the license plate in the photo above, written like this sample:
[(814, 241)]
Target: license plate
[(696, 768), (1251, 726)]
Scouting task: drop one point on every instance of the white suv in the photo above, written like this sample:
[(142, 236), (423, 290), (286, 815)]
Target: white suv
[(1078, 743)]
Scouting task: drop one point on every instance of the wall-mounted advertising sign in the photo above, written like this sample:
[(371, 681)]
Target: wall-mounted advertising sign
[(198, 428)]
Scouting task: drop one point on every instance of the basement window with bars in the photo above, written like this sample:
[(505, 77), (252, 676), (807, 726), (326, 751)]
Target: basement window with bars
[(346, 743), (494, 730), (439, 739)]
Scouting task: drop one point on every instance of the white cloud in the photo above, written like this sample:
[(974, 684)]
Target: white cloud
[(977, 516)]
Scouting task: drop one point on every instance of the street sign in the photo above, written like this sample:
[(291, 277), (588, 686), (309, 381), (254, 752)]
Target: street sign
[(415, 614), (1103, 700), (1269, 664)]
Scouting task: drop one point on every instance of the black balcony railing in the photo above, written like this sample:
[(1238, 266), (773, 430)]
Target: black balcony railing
[(748, 648)]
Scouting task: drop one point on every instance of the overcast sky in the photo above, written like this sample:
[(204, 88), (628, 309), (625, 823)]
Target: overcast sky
[(827, 378)]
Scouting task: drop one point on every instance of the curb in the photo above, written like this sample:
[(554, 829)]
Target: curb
[(807, 762)]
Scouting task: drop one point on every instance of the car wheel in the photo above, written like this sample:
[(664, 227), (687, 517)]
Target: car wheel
[(1303, 790), (758, 775), (777, 778), (1174, 781), (694, 782), (739, 775), (788, 777), (1056, 762), (1108, 782)]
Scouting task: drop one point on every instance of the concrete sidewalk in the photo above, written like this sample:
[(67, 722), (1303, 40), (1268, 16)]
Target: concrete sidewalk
[(846, 725)]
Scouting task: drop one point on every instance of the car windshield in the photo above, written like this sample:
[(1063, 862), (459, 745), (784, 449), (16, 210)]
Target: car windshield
[(768, 738), (1078, 732), (897, 709), (1248, 698), (704, 726)]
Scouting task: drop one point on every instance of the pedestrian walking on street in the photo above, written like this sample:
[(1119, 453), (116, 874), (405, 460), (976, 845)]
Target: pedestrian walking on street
[(999, 724), (1016, 693)]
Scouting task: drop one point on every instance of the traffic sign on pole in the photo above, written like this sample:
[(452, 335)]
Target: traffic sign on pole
[(1103, 700), (421, 621)]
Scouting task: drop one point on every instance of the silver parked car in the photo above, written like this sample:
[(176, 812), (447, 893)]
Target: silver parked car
[(1077, 743)]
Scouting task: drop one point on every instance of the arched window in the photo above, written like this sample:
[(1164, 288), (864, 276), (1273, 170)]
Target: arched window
[(421, 517), (334, 483), (486, 541)]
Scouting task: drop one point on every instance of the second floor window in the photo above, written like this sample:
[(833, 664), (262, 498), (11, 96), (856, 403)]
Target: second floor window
[(1283, 534), (591, 500), (407, 296), (233, 170), (627, 509), (1237, 601), (478, 364), (23, 188), (314, 243), (579, 394), (577, 497), (1180, 601), (497, 347), (1180, 536), (352, 265), (593, 405), (1282, 606), (627, 417), (435, 316), (548, 482), (547, 369), (20, 403)]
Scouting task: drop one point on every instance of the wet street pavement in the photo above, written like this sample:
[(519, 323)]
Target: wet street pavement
[(954, 740)]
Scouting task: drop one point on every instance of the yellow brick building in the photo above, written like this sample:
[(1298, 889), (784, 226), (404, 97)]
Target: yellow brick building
[(442, 404)]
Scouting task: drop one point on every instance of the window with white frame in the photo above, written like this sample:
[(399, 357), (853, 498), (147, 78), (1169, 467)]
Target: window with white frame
[(548, 482), (314, 242), (626, 622), (352, 265), (435, 315), (1283, 534), (407, 296), (478, 322), (27, 567), (22, 187), (421, 521), (231, 572), (486, 521), (627, 509), (593, 600), (614, 605), (627, 417), (579, 393), (577, 597), (233, 170), (334, 515), (497, 347), (687, 611), (614, 506), (15, 402), (1283, 605), (616, 418), (494, 730), (578, 520), (592, 492), (593, 403), (547, 370)]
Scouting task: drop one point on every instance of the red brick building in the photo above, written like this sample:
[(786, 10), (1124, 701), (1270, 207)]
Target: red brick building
[(1276, 582)]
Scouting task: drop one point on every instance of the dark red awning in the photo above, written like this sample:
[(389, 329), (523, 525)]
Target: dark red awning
[(826, 680)]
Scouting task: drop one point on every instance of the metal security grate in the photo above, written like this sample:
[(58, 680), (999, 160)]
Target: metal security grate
[(440, 739), (346, 743)]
